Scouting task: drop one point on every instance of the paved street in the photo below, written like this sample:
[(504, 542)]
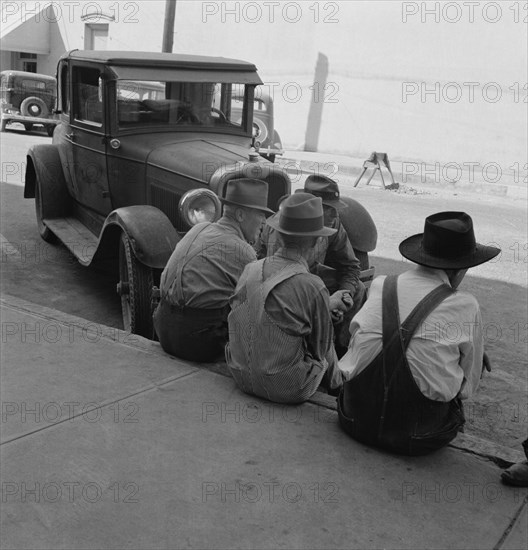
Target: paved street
[(48, 275), (102, 430)]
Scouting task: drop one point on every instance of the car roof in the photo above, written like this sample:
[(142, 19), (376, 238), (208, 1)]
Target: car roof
[(156, 59), (35, 76)]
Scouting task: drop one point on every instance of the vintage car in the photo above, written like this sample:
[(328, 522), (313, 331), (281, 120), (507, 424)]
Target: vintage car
[(145, 146), (28, 98), (267, 139)]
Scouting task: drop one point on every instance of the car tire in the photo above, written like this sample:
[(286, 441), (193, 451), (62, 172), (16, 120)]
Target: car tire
[(28, 126), (3, 125), (35, 107), (43, 229), (135, 288)]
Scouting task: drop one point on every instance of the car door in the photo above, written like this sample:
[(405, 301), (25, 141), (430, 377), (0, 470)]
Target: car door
[(87, 139)]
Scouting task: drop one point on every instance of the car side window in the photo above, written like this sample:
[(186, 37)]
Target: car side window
[(87, 103), (64, 89)]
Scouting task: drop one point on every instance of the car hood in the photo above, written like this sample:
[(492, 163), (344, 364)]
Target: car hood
[(197, 158)]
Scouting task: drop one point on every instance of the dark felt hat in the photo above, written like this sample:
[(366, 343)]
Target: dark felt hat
[(448, 242), (326, 188), (249, 193), (301, 214)]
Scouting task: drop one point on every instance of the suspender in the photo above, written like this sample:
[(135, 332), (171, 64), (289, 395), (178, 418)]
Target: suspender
[(396, 336), (174, 277)]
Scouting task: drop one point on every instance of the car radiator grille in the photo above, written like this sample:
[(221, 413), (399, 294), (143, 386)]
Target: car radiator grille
[(167, 202)]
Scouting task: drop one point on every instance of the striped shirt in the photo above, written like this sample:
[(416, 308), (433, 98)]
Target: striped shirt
[(280, 330)]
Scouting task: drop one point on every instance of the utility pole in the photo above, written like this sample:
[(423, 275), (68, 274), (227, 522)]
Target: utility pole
[(168, 26), (315, 115)]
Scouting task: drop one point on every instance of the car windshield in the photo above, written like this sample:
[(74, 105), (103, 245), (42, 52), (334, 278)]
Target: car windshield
[(169, 104)]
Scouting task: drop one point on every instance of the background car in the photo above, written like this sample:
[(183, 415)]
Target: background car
[(144, 149), (267, 140), (28, 98)]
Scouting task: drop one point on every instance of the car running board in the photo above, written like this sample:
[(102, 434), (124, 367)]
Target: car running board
[(75, 237)]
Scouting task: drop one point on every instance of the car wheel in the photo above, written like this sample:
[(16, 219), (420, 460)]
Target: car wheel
[(135, 288), (34, 106), (28, 126), (43, 229)]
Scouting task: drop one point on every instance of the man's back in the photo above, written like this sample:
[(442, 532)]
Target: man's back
[(445, 354), (280, 330), (213, 256)]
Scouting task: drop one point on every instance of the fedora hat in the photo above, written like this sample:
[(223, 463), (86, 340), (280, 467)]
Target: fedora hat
[(326, 188), (448, 242), (249, 193), (301, 214)]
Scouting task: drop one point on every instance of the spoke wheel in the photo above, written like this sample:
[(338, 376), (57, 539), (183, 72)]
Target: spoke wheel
[(135, 288)]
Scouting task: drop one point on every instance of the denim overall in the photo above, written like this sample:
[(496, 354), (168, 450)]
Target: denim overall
[(383, 406)]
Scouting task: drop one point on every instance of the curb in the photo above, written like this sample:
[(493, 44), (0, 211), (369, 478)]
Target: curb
[(499, 454), (296, 166)]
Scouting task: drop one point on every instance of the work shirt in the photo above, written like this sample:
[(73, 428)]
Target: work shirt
[(212, 265), (334, 251), (446, 352)]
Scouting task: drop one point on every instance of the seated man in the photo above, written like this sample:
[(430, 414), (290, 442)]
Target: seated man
[(406, 380), (201, 274), (280, 330), (334, 261)]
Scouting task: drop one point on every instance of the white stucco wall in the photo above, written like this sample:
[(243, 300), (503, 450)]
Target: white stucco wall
[(374, 51)]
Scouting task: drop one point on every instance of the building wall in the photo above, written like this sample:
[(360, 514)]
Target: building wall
[(393, 68)]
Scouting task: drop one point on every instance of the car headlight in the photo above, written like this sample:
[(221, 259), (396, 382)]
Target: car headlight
[(199, 205)]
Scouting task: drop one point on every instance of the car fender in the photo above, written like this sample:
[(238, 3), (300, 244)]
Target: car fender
[(359, 225), (151, 234), (43, 164)]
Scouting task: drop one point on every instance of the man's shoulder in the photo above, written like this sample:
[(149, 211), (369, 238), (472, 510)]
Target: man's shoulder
[(308, 282)]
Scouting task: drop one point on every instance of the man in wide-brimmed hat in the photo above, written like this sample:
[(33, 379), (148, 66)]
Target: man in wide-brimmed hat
[(416, 346), (280, 328), (335, 260), (201, 275)]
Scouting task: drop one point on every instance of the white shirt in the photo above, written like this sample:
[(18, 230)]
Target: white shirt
[(444, 355)]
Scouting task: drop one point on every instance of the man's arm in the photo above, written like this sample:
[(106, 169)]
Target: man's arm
[(472, 357), (340, 255)]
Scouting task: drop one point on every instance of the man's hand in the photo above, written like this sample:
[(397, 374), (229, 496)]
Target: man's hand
[(340, 302), (486, 364)]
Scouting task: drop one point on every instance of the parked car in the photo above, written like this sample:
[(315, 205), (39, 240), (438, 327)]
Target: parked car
[(28, 98), (267, 139), (145, 146)]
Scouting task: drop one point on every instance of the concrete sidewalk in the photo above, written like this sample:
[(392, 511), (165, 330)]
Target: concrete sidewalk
[(488, 179), (107, 442)]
